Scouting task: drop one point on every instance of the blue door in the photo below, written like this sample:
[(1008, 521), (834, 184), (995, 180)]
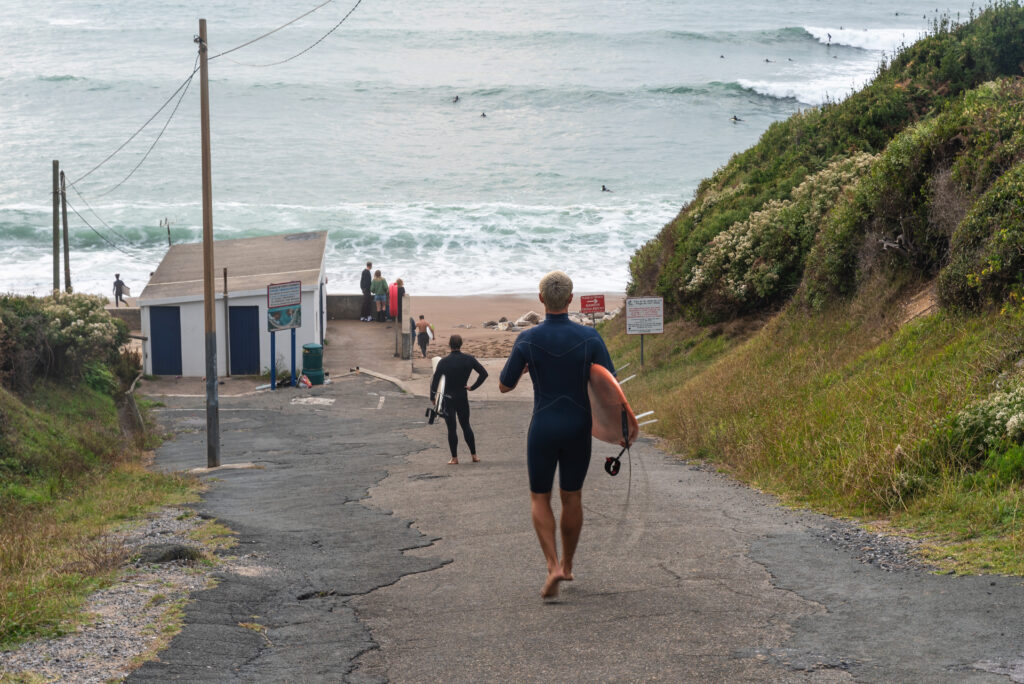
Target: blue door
[(165, 339), (245, 340)]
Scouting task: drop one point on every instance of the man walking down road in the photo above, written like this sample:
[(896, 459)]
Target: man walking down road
[(456, 368), (422, 336), (558, 354), (364, 285)]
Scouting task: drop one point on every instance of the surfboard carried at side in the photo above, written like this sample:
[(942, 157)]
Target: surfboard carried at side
[(613, 419), (437, 409)]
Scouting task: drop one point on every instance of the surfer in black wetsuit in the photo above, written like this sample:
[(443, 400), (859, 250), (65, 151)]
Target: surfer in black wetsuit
[(366, 314), (558, 354), (456, 368)]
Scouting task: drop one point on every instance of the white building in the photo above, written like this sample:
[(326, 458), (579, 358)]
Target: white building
[(172, 310)]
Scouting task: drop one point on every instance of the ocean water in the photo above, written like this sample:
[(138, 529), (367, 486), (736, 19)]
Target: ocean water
[(359, 135)]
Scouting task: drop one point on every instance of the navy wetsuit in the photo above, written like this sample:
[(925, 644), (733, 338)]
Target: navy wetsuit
[(456, 368), (558, 354)]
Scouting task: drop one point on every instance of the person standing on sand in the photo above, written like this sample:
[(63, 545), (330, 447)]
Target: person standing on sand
[(119, 288), (456, 368), (422, 336), (379, 288), (558, 354), (364, 284)]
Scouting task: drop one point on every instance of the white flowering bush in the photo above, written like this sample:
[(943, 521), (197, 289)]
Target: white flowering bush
[(56, 336), (995, 422), (760, 260)]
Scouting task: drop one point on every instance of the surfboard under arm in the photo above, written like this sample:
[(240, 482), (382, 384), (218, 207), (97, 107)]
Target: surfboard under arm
[(612, 417)]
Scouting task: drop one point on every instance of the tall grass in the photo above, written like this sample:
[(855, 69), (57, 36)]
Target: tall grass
[(828, 411)]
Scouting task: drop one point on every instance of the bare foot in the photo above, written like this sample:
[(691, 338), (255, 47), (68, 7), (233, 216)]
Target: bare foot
[(454, 461), (567, 575), (476, 459), (550, 588)]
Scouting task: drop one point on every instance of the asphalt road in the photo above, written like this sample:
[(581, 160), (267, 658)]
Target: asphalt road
[(382, 563)]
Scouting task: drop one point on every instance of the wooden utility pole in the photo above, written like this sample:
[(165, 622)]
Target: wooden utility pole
[(64, 221), (56, 226), (212, 408)]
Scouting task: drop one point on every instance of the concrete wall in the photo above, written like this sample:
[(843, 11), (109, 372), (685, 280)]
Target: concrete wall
[(193, 334), (129, 314), (344, 307)]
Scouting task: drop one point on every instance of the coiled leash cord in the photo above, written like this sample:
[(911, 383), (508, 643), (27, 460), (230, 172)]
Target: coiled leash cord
[(612, 464)]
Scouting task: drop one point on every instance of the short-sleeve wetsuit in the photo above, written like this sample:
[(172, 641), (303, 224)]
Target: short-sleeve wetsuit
[(559, 354)]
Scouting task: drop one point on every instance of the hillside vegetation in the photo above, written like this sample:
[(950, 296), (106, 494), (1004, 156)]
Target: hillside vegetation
[(793, 357), (67, 470)]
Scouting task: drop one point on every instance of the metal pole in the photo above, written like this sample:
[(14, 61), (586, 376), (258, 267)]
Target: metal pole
[(64, 220), (227, 327), (641, 350), (212, 407), (56, 226), (293, 357), (273, 360)]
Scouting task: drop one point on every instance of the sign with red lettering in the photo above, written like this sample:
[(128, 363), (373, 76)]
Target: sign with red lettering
[(644, 315), (591, 304)]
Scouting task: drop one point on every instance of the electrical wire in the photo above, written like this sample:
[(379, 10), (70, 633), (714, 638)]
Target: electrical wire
[(297, 54), (82, 197), (159, 135), (184, 84), (98, 233), (270, 33)]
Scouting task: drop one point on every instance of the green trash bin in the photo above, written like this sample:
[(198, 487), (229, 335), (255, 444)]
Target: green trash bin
[(313, 362)]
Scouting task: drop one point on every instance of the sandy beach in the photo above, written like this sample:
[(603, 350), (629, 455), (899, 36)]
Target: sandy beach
[(467, 314)]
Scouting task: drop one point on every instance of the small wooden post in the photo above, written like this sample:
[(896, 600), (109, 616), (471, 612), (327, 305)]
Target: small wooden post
[(227, 326), (64, 219)]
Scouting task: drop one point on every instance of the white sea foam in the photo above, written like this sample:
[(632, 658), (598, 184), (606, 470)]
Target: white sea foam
[(876, 39)]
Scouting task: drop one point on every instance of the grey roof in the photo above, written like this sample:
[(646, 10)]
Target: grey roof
[(252, 263)]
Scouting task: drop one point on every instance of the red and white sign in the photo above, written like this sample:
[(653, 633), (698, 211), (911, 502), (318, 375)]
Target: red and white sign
[(644, 315), (591, 304)]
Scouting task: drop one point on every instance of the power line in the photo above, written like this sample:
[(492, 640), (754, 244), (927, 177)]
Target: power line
[(82, 197), (297, 54), (183, 85), (270, 33), (98, 233), (159, 135)]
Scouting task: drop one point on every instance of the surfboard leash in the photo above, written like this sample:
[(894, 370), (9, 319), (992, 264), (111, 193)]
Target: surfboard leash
[(612, 464)]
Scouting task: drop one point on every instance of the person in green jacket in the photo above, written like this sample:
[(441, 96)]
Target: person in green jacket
[(379, 290)]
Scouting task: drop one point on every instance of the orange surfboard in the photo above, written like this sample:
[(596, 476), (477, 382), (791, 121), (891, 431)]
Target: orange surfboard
[(607, 404)]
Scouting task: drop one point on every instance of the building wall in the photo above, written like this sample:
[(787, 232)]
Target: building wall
[(193, 333)]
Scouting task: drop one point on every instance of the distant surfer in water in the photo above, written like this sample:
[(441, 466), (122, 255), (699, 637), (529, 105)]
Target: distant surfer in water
[(422, 336), (483, 115), (605, 189), (456, 368), (455, 100), (558, 354), (735, 119)]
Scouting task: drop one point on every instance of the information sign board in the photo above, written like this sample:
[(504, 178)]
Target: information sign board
[(284, 306), (644, 315), (591, 304)]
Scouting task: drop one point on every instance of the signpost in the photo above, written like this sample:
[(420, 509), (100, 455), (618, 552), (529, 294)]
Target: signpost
[(592, 304), (284, 312), (644, 316)]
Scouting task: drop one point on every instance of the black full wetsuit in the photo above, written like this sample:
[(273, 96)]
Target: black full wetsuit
[(456, 368), (559, 354), (364, 285)]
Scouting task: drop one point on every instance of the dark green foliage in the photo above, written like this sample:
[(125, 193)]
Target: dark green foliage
[(922, 188)]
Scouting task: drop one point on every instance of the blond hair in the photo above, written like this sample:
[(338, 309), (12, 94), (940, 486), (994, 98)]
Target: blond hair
[(556, 288)]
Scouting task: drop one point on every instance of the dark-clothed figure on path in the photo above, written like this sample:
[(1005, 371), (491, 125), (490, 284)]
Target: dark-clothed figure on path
[(558, 354), (456, 368), (364, 285), (422, 336), (119, 288)]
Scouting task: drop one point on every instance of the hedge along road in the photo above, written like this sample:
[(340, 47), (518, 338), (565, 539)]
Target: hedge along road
[(682, 575)]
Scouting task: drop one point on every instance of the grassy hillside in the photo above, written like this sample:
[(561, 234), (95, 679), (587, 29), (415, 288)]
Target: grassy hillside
[(67, 471), (793, 356)]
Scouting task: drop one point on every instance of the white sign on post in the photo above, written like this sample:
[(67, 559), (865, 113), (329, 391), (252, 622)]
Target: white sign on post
[(645, 315)]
